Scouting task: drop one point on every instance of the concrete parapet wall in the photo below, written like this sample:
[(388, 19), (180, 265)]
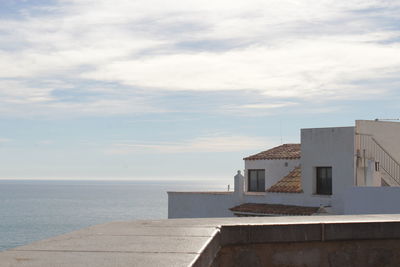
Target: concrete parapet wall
[(372, 200), (200, 204), (362, 240), (327, 243), (363, 253), (217, 204)]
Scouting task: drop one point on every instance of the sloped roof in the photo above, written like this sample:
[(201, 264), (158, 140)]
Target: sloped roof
[(291, 183), (285, 151), (278, 209)]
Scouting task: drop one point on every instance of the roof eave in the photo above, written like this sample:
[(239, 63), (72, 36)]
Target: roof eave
[(269, 214), (288, 158), (285, 192)]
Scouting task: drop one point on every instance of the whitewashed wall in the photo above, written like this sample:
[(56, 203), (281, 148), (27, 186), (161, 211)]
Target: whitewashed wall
[(386, 133), (274, 169), (199, 205), (296, 199), (320, 147), (324, 147), (372, 200), (203, 205)]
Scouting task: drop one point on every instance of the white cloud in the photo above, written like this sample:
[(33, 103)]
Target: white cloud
[(268, 106), (302, 69), (14, 91), (106, 106), (45, 142), (76, 109), (5, 140), (196, 145), (19, 98), (277, 48)]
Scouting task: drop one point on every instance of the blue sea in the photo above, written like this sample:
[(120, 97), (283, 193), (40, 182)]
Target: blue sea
[(35, 210)]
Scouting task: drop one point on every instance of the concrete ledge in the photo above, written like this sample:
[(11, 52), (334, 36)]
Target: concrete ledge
[(253, 234), (202, 192), (360, 231), (209, 252), (197, 242)]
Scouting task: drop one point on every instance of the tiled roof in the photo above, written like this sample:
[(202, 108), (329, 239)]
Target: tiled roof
[(285, 151), (291, 183), (278, 209)]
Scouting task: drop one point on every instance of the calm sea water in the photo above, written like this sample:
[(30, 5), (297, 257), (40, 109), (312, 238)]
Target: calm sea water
[(34, 210)]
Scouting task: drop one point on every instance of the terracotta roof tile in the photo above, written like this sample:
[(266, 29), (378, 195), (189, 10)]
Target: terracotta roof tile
[(264, 209), (291, 183), (285, 151)]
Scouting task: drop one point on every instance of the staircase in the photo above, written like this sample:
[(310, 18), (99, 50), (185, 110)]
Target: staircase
[(369, 149)]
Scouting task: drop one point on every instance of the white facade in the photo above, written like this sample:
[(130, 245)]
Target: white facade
[(275, 169), (377, 142), (361, 158), (372, 200), (199, 204), (328, 147)]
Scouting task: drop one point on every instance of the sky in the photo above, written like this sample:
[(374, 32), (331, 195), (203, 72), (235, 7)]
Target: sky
[(101, 89)]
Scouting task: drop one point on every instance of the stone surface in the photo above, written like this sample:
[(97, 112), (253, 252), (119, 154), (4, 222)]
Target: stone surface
[(242, 234), (196, 242), (134, 228), (377, 230), (137, 243), (98, 259), (352, 253), (110, 243)]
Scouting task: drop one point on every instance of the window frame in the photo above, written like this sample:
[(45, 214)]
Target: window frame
[(323, 179), (260, 187)]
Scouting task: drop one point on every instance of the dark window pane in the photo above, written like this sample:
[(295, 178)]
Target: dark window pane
[(256, 180), (252, 180), (324, 180), (329, 181), (322, 173), (261, 180)]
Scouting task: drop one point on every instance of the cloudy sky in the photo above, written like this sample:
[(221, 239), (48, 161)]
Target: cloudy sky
[(178, 89)]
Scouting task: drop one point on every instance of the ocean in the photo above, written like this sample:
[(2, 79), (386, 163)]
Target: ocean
[(35, 210)]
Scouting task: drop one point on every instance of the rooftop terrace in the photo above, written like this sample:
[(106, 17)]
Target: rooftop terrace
[(366, 240)]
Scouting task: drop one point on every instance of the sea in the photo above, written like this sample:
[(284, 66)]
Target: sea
[(32, 210)]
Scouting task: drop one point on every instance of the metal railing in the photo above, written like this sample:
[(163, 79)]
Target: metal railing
[(369, 148)]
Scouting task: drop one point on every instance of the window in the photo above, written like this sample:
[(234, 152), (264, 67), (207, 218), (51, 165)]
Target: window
[(377, 166), (256, 181), (324, 180)]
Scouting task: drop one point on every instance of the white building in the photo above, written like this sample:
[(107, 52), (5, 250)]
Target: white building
[(341, 170)]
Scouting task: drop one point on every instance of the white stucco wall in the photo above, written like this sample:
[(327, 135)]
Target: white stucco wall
[(203, 205), (372, 200), (385, 133), (328, 147), (320, 147), (296, 199), (274, 169), (200, 205)]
